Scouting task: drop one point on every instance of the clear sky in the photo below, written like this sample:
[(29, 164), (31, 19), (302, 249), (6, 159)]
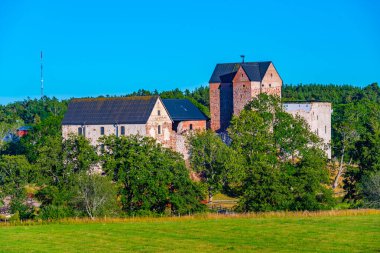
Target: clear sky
[(114, 47)]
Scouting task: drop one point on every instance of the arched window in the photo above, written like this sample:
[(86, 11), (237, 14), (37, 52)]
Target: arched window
[(80, 131), (159, 113), (101, 130), (159, 129), (191, 126), (122, 130)]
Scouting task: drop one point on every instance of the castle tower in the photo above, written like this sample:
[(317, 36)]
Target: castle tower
[(233, 85)]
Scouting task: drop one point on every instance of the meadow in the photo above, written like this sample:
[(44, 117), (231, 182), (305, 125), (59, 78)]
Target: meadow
[(330, 231)]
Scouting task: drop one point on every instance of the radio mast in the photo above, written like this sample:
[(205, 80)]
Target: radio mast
[(42, 78)]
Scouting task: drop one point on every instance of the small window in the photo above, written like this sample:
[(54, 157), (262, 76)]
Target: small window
[(159, 113), (122, 130), (242, 75), (102, 147), (191, 126), (271, 75), (117, 131), (80, 131), (317, 131), (159, 129), (101, 130), (270, 85), (262, 85), (317, 117), (325, 129)]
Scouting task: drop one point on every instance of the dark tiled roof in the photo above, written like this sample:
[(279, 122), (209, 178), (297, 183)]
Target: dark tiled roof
[(96, 111), (183, 109), (224, 73)]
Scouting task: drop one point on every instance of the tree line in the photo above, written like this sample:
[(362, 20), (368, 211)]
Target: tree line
[(272, 162)]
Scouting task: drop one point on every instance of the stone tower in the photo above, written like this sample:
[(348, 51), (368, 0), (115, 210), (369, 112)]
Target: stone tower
[(233, 85)]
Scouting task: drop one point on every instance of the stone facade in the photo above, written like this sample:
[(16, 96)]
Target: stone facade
[(318, 116), (215, 105), (159, 125), (271, 83), (241, 91), (188, 125), (93, 132)]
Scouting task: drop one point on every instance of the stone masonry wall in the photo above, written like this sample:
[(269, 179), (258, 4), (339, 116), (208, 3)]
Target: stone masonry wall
[(184, 126), (241, 91), (215, 106), (93, 133), (160, 118), (271, 83), (318, 116)]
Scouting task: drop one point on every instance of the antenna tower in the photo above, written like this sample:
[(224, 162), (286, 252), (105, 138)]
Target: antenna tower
[(42, 77)]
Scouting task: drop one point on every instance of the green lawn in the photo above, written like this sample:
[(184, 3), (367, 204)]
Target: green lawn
[(290, 234)]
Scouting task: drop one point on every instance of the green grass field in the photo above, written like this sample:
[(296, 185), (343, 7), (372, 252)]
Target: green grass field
[(347, 232)]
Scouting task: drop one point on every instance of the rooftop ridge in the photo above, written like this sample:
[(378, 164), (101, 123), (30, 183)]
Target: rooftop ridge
[(75, 100)]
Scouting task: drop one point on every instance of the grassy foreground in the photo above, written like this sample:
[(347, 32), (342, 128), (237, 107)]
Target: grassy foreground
[(338, 231)]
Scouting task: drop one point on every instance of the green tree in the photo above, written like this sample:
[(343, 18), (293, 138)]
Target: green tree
[(346, 132), (15, 173), (59, 165), (367, 151), (215, 162), (150, 178), (371, 190), (78, 154), (95, 195), (285, 167)]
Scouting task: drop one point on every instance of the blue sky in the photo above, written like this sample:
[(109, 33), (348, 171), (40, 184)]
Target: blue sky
[(114, 47)]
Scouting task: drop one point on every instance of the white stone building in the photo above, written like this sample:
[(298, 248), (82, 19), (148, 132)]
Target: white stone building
[(318, 117)]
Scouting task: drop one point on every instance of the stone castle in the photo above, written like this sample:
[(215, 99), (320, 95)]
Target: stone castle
[(232, 86)]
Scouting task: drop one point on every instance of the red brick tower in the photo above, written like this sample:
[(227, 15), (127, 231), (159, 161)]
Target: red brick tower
[(233, 85)]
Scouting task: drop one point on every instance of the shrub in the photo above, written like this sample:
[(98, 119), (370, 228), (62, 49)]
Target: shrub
[(371, 190)]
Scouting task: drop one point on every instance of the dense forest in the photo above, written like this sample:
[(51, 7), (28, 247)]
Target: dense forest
[(44, 167)]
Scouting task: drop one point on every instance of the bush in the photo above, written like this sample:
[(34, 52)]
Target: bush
[(371, 190), (53, 212)]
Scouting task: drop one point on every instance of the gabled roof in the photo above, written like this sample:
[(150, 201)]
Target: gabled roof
[(183, 109), (224, 73), (97, 111)]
